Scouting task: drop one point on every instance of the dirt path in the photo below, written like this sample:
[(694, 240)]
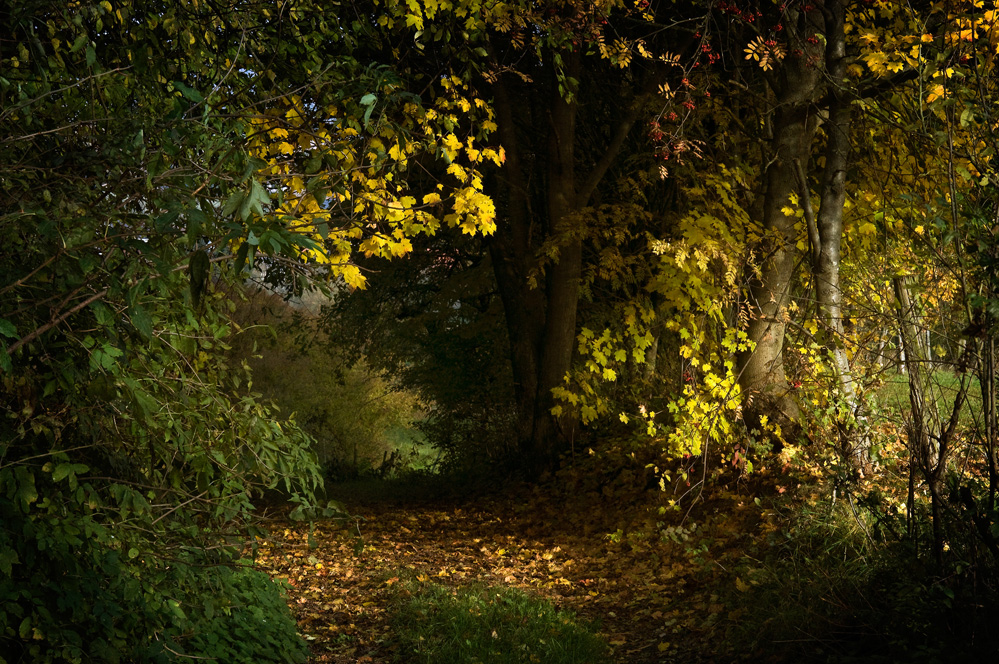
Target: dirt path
[(650, 595)]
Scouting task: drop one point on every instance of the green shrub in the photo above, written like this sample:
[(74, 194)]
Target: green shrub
[(831, 583), (67, 598), (355, 413), (489, 626), (244, 618)]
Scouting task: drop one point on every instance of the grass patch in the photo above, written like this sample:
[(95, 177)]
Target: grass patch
[(942, 387), (800, 596), (437, 624)]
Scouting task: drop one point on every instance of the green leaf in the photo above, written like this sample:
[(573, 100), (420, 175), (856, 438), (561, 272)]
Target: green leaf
[(64, 470), (241, 253), (7, 329), (26, 492), (233, 204), (258, 198), (102, 313), (195, 222), (8, 558), (78, 43), (105, 356), (188, 92), (165, 221), (142, 321)]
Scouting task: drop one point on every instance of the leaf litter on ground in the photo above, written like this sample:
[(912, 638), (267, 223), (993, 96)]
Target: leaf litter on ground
[(646, 577)]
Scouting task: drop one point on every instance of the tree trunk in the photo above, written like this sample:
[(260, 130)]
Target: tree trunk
[(923, 454), (563, 276), (538, 207), (829, 228), (761, 371), (512, 251)]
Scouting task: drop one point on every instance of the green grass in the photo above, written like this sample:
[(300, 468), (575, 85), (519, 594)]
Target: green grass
[(942, 387), (440, 625)]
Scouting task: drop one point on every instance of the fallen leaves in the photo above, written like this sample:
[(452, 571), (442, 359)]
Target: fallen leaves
[(645, 590)]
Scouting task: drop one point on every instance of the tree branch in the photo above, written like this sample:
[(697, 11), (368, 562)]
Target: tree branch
[(806, 204), (37, 332)]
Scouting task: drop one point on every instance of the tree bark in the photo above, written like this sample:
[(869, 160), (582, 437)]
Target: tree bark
[(829, 226), (512, 251), (797, 89), (793, 121), (563, 276)]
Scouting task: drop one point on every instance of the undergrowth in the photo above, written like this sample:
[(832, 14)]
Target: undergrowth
[(824, 586)]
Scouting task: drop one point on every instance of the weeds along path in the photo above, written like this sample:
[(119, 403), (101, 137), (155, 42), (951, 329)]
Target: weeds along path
[(645, 584)]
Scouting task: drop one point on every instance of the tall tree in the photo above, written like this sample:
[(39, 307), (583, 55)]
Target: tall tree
[(555, 165)]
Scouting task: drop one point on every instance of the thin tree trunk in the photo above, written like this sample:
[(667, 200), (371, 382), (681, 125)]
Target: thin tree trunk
[(563, 278), (923, 454), (829, 227)]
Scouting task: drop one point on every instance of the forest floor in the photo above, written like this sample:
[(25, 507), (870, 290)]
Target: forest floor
[(654, 582)]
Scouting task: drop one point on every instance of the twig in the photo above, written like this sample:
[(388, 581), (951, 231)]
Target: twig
[(37, 332)]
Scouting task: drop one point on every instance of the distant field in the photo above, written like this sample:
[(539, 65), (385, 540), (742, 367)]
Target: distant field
[(941, 390)]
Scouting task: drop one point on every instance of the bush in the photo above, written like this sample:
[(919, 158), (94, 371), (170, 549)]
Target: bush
[(67, 598), (832, 584), (244, 618), (353, 412)]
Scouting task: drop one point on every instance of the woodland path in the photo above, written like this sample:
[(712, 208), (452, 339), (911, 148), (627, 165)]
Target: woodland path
[(607, 556)]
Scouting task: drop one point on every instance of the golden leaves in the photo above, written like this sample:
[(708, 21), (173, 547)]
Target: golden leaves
[(342, 175), (764, 51)]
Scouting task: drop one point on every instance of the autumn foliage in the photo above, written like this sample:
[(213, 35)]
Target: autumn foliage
[(698, 299)]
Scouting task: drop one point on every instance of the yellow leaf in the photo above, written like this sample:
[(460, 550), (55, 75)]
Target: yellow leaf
[(352, 276), (936, 92), (452, 143), (741, 585)]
